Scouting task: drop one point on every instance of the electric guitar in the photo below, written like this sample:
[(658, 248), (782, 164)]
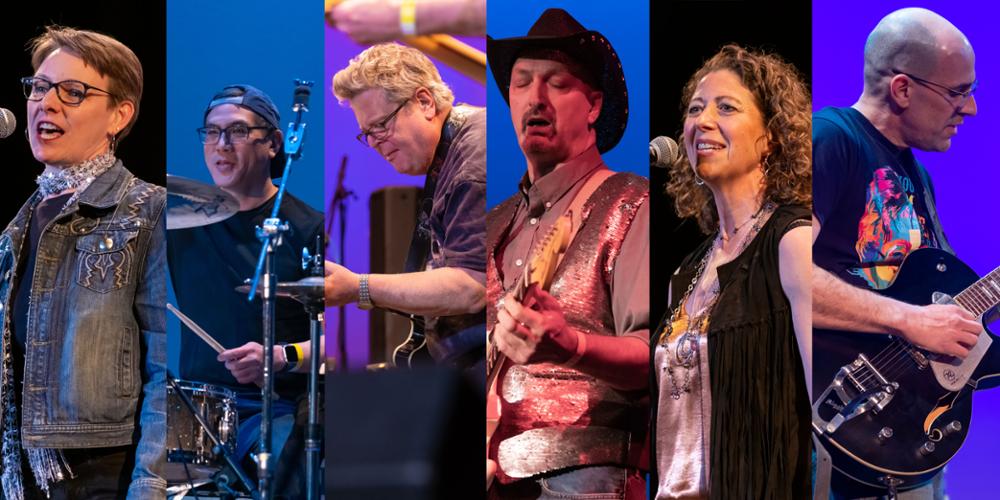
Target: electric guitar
[(413, 350), (890, 413), (538, 271)]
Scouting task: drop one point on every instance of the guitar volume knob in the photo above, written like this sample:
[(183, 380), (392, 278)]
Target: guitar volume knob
[(927, 448), (884, 434), (953, 427)]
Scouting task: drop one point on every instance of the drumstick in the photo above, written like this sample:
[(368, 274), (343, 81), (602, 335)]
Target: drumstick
[(199, 331)]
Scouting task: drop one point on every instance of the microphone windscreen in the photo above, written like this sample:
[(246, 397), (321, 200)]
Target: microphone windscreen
[(7, 123), (664, 151)]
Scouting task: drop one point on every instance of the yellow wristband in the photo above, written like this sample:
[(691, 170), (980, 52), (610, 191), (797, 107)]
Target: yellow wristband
[(408, 17), (299, 355)]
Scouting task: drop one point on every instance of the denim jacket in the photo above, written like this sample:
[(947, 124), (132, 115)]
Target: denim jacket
[(95, 352)]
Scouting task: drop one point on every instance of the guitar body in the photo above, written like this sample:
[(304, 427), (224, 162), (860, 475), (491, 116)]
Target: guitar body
[(413, 351), (913, 425)]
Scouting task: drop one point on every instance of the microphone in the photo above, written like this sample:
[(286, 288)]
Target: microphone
[(662, 152), (7, 123)]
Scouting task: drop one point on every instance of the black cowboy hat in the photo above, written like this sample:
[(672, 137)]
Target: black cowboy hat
[(557, 30)]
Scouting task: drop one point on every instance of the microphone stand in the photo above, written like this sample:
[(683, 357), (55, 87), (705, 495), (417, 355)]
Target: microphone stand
[(339, 202), (269, 233)]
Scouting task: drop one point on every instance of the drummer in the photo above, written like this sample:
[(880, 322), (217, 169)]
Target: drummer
[(243, 149)]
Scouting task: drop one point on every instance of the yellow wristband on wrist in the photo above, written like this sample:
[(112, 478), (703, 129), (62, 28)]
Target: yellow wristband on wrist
[(299, 358), (408, 17)]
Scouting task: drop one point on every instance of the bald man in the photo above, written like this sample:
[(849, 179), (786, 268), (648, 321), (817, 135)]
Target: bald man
[(873, 202)]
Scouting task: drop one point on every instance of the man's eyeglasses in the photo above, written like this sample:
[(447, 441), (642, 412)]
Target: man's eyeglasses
[(71, 92), (379, 131), (237, 133), (962, 96)]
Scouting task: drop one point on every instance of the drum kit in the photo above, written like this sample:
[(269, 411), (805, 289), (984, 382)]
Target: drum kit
[(202, 420)]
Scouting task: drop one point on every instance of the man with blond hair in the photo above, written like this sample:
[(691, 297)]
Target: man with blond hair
[(406, 113)]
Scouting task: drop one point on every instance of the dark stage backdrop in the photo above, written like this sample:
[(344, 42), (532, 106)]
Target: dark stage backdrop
[(682, 36), (141, 27), (966, 178)]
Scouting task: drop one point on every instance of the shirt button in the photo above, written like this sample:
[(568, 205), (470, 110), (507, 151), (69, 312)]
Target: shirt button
[(533, 221), (518, 262), (548, 204)]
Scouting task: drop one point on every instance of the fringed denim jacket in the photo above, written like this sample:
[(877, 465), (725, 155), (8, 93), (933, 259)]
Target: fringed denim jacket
[(95, 351)]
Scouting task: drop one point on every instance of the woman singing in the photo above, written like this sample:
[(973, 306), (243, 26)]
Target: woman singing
[(82, 288), (731, 356)]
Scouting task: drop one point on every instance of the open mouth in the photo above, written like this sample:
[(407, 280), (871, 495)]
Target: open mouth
[(224, 165), (707, 147), (48, 131), (537, 125)]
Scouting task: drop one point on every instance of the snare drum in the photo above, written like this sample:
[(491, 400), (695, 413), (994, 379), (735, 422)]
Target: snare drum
[(189, 449)]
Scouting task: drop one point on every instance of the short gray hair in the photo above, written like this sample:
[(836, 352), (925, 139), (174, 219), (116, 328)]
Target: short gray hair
[(397, 70)]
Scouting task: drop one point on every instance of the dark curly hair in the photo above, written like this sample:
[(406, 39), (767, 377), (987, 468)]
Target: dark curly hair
[(783, 99)]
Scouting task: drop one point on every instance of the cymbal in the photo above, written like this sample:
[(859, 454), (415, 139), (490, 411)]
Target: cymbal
[(191, 203), (305, 290)]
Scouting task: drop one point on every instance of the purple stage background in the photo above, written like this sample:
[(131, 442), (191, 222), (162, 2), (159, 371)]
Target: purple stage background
[(366, 173), (965, 178)]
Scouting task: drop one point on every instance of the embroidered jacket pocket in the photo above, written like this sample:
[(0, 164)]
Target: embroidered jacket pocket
[(105, 259)]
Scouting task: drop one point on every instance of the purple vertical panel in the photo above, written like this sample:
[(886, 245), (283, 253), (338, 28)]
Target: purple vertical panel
[(966, 178)]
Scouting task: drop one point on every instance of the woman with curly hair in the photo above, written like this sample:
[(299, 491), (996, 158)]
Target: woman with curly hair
[(732, 355)]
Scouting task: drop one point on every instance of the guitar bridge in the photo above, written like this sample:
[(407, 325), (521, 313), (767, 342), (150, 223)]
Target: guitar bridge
[(856, 389)]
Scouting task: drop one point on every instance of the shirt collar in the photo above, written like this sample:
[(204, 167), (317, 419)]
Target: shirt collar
[(551, 187)]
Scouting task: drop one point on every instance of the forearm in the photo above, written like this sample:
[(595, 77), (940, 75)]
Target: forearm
[(439, 292), (457, 17), (622, 362), (838, 305)]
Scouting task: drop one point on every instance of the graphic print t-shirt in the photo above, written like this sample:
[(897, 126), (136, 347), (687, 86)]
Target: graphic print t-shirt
[(868, 197)]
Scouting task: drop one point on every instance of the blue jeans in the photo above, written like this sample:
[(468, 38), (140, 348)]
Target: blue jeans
[(585, 483), (249, 434)]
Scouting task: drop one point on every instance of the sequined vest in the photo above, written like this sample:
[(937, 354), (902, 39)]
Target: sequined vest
[(554, 417)]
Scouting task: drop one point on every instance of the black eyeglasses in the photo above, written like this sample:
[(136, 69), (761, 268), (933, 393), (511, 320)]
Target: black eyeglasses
[(71, 92), (237, 133), (962, 95), (379, 131)]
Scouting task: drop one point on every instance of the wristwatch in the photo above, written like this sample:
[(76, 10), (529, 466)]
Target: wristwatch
[(364, 294), (291, 358)]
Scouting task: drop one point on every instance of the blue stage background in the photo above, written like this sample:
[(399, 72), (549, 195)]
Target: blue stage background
[(213, 44), (966, 177), (627, 30)]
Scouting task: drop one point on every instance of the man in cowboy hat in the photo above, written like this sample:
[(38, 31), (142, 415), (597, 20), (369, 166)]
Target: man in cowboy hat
[(572, 395)]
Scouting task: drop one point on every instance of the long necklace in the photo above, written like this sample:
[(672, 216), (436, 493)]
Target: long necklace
[(686, 353)]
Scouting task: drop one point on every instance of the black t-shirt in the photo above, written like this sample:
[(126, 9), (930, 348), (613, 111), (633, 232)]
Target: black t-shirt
[(868, 197), (207, 263)]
